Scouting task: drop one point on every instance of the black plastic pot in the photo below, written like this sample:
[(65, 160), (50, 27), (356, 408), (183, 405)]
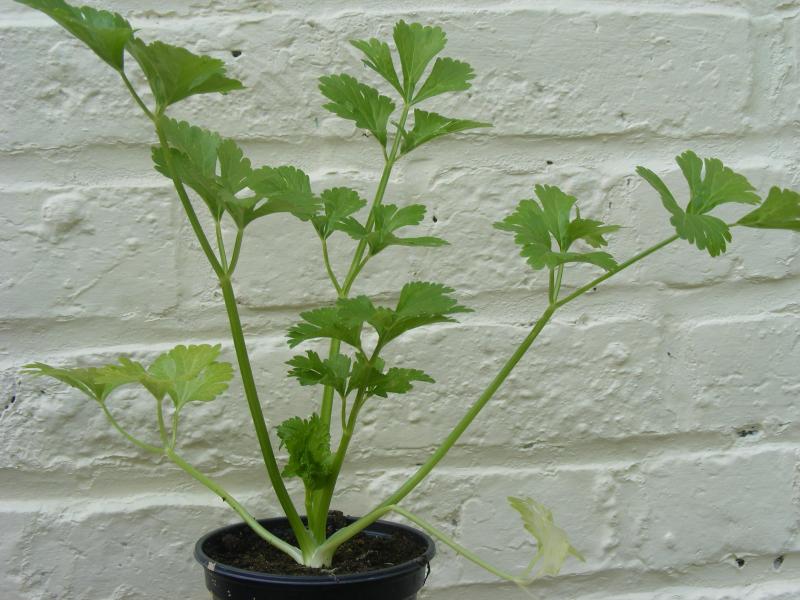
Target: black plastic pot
[(401, 582)]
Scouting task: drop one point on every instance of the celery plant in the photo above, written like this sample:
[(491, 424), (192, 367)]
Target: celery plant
[(211, 173)]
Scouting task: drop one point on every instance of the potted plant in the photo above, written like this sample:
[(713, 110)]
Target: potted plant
[(211, 174)]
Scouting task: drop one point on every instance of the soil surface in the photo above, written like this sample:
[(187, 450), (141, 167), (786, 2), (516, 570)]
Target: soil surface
[(245, 550)]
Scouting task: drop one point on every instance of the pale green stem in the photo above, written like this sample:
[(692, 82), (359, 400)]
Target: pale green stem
[(136, 97), (221, 246), (551, 285), (326, 407), (257, 415), (174, 429), (237, 248), (328, 268), (143, 445), (346, 533), (289, 549), (559, 277), (621, 267), (162, 430)]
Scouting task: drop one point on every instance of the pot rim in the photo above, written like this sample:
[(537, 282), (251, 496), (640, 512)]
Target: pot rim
[(380, 528)]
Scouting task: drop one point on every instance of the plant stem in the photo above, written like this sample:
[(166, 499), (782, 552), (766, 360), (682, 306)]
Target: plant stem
[(346, 533), (328, 268), (162, 430), (326, 408), (144, 446), (621, 267), (136, 97), (259, 422), (187, 203), (221, 246), (292, 551), (237, 248)]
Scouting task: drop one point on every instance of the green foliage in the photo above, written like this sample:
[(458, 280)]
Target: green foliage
[(536, 225), (106, 33), (552, 545), (388, 219), (85, 380), (420, 304), (710, 184), (447, 75), (781, 210), (429, 125), (217, 170), (313, 370), (357, 102), (308, 443), (185, 374), (416, 45), (286, 189), (338, 204), (174, 73), (379, 59), (375, 381)]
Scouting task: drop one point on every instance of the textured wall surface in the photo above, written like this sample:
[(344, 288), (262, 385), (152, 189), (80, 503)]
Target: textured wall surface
[(657, 415)]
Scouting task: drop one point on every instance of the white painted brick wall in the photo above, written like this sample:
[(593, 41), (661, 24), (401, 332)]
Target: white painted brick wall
[(658, 416)]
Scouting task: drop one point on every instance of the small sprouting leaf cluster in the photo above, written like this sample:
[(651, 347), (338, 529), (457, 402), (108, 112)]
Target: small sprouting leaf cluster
[(183, 374)]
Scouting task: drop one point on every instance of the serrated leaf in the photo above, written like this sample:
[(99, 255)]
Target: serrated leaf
[(379, 59), (416, 45), (420, 303), (358, 102), (430, 125), (175, 73), (308, 444), (83, 379), (338, 203), (129, 371), (342, 322), (388, 219), (192, 373), (552, 545), (311, 369), (286, 189), (781, 210), (710, 184), (106, 33), (715, 185), (447, 75), (372, 379), (536, 226)]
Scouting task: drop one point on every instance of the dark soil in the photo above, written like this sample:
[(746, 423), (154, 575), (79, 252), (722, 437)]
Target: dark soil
[(243, 549)]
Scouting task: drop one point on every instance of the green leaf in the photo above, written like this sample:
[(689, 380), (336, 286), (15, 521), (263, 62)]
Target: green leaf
[(535, 226), (339, 203), (308, 443), (552, 545), (106, 33), (429, 125), (174, 73), (358, 102), (781, 210), (342, 322), (286, 189), (83, 379), (447, 75), (717, 185), (375, 382), (129, 371), (388, 219), (192, 373), (416, 45), (313, 370), (379, 59), (421, 303), (710, 184)]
